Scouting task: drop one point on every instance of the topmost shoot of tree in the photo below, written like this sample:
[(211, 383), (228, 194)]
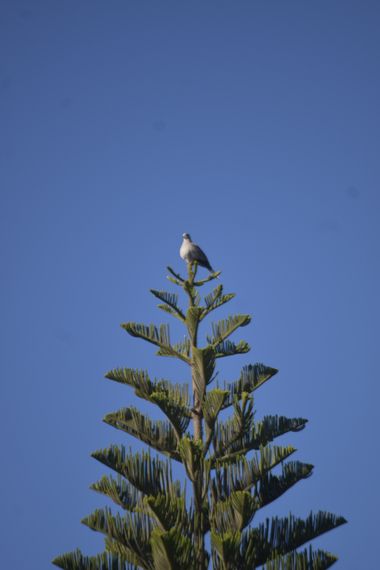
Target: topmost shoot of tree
[(229, 463)]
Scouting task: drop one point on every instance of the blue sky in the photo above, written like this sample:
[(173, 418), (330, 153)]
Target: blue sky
[(255, 127)]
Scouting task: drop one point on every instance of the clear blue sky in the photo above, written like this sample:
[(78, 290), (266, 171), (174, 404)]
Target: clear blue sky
[(255, 127)]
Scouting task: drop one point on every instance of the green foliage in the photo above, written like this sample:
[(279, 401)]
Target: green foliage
[(169, 510), (191, 457), (106, 561), (279, 536), (158, 434), (226, 549), (171, 303), (173, 399), (119, 491), (203, 366), (151, 476), (232, 466), (251, 378), (215, 299), (240, 434), (234, 513), (308, 559), (212, 404), (224, 328), (128, 535), (270, 487), (229, 348), (158, 336), (244, 474), (171, 550)]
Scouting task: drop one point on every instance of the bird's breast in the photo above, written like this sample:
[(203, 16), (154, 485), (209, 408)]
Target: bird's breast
[(185, 251)]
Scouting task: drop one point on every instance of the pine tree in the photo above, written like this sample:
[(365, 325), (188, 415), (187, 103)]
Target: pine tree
[(229, 463)]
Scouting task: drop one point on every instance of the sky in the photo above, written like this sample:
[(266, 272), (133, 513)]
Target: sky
[(255, 127)]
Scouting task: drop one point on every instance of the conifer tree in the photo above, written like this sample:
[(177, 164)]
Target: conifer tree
[(230, 464)]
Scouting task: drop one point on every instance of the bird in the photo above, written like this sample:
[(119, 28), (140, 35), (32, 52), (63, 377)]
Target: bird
[(191, 252)]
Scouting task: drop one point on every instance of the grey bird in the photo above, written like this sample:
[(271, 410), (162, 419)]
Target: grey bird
[(191, 252)]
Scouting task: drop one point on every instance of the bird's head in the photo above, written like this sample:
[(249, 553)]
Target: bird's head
[(186, 236)]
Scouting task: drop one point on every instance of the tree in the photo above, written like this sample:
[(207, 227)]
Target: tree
[(230, 463)]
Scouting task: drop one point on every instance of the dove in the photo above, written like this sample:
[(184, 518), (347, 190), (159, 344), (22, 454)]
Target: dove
[(191, 252)]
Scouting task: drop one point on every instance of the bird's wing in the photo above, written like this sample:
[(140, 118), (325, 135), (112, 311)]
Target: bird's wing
[(199, 254)]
